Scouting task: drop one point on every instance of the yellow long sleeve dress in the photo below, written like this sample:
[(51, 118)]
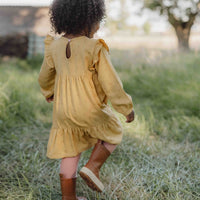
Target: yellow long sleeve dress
[(82, 86)]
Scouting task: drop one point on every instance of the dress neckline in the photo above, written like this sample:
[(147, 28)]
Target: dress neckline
[(75, 38)]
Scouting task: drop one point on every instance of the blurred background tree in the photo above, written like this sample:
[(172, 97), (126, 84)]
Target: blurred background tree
[(118, 23), (147, 28), (181, 15)]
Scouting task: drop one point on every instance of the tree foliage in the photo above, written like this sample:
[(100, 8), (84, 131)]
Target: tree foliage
[(181, 15), (182, 10)]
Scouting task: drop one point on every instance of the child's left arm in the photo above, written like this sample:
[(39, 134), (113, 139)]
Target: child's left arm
[(111, 82), (47, 72)]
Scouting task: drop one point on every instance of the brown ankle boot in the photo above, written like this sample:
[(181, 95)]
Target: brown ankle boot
[(68, 188), (90, 172)]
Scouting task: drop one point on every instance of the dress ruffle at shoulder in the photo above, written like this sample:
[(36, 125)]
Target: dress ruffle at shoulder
[(98, 46)]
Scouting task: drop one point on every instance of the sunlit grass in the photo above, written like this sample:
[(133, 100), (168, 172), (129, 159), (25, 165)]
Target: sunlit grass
[(159, 156)]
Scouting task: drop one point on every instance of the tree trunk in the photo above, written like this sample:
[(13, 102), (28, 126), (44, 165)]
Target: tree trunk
[(183, 35), (182, 28)]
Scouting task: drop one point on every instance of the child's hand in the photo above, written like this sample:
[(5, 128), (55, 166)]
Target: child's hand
[(50, 99), (130, 117)]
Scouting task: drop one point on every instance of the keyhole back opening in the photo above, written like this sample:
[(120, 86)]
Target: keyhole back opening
[(68, 50)]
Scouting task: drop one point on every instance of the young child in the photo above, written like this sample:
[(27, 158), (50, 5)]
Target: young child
[(78, 76)]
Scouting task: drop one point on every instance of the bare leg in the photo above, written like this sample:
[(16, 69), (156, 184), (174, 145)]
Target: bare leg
[(69, 166), (110, 147)]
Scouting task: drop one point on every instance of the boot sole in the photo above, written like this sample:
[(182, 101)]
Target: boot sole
[(90, 178)]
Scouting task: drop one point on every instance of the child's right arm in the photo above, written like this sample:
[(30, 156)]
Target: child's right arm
[(46, 79), (112, 85), (47, 72)]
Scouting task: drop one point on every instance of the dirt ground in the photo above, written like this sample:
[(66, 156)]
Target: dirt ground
[(167, 42)]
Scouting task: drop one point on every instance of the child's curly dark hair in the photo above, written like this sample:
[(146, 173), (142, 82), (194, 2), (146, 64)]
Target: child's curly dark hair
[(76, 16)]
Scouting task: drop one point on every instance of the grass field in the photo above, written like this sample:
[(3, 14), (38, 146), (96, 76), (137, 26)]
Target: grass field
[(159, 157)]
